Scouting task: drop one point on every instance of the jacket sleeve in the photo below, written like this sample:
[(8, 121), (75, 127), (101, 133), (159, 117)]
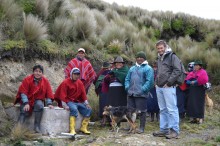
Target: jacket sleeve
[(203, 78), (127, 79), (149, 80), (176, 65)]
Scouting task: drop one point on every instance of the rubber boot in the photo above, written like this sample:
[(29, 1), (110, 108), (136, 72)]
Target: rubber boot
[(21, 118), (142, 122), (37, 121), (152, 116), (72, 125), (84, 126)]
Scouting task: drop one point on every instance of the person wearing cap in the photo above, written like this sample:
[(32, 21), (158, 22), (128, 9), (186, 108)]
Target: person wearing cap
[(71, 96), (88, 74), (196, 96), (114, 83), (98, 86), (138, 82), (34, 91)]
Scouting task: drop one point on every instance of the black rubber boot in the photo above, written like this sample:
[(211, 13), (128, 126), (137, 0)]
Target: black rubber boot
[(37, 121), (142, 123), (21, 118)]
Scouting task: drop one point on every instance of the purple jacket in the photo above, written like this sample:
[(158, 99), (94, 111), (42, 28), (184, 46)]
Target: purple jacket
[(201, 76)]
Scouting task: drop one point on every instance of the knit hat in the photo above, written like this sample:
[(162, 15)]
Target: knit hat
[(38, 66), (119, 59), (198, 62), (141, 54), (106, 65)]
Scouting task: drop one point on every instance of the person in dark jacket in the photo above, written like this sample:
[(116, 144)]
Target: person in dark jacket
[(169, 69), (138, 82)]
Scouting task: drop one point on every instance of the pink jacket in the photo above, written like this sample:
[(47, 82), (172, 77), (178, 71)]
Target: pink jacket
[(201, 76)]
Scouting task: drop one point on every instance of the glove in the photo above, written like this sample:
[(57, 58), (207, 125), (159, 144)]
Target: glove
[(188, 82)]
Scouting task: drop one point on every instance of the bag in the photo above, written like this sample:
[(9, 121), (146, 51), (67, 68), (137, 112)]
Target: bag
[(180, 80), (207, 86)]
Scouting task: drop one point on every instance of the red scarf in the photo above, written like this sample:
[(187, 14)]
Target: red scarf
[(40, 91), (87, 74)]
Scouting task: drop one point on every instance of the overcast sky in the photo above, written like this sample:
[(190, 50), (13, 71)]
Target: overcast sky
[(209, 9)]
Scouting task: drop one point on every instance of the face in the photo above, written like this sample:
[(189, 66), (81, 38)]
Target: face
[(161, 49), (75, 76), (197, 67), (139, 60), (119, 65), (81, 54), (38, 73), (154, 67)]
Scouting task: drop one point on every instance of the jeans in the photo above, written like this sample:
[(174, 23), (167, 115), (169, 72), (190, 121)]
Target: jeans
[(75, 107), (169, 115)]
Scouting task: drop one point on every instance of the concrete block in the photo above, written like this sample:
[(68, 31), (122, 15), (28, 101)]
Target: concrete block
[(54, 121)]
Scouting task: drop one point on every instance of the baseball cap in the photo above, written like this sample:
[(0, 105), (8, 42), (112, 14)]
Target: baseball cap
[(81, 49)]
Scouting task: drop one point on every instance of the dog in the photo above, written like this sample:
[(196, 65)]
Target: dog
[(119, 114), (208, 102)]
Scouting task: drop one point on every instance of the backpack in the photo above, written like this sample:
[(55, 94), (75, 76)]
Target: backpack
[(181, 78)]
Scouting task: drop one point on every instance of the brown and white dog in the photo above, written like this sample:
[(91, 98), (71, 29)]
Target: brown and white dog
[(118, 114), (208, 102)]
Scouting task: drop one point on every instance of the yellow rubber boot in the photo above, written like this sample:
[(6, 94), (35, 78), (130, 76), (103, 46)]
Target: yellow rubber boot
[(84, 126), (72, 125)]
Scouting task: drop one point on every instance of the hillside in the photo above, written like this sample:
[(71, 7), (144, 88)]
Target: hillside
[(54, 29)]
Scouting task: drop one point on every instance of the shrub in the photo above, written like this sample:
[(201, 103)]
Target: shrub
[(28, 6), (34, 29), (11, 44), (84, 24), (42, 8), (9, 10), (115, 47), (113, 32), (49, 47), (101, 21), (217, 139), (61, 29)]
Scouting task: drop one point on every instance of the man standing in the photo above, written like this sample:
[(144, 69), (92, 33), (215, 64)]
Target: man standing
[(88, 74), (169, 69), (138, 82)]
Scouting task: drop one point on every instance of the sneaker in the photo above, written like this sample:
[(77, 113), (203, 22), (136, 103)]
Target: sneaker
[(160, 134), (173, 134)]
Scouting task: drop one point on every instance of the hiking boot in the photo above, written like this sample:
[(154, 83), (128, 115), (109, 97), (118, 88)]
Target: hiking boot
[(173, 134), (160, 134)]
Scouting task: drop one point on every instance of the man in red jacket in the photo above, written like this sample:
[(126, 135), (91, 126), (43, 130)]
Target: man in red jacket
[(87, 75), (34, 90), (73, 96)]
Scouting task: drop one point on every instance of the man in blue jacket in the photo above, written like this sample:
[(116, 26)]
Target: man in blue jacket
[(138, 82)]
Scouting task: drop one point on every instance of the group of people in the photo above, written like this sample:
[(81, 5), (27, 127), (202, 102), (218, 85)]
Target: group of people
[(118, 85)]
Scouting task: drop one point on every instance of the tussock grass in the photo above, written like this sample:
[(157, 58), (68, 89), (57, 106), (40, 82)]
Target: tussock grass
[(62, 28), (34, 28), (101, 21), (20, 132), (10, 10), (111, 14), (42, 8), (84, 24)]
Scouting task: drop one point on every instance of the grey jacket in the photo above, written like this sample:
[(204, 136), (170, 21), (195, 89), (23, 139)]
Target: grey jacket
[(168, 69)]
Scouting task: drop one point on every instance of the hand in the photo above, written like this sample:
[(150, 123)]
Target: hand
[(50, 106), (88, 106), (26, 107), (188, 82), (66, 108)]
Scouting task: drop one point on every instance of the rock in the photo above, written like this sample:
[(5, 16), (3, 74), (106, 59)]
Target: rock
[(4, 129), (54, 121)]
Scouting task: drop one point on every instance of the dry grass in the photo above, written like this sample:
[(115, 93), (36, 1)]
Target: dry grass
[(111, 14), (42, 8), (101, 21), (34, 29), (20, 132)]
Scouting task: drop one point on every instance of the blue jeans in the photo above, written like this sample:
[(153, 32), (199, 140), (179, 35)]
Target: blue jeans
[(169, 115), (75, 107)]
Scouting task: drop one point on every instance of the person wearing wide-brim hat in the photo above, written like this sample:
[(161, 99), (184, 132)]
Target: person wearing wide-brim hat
[(195, 81), (116, 95)]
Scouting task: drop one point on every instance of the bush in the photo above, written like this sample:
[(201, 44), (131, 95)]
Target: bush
[(42, 8), (101, 21), (61, 29), (34, 29), (28, 6), (10, 44), (115, 47), (84, 24)]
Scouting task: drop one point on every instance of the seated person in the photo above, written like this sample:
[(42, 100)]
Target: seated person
[(34, 90), (73, 96)]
